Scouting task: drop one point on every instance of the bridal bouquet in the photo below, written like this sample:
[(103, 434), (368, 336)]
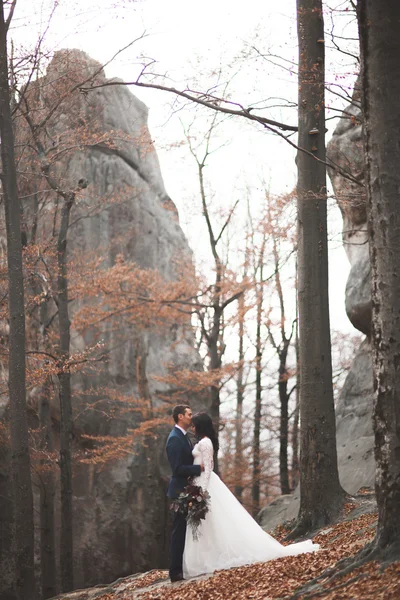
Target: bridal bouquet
[(193, 503)]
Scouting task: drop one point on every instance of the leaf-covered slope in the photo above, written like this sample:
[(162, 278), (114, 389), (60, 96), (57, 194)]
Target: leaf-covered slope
[(275, 579)]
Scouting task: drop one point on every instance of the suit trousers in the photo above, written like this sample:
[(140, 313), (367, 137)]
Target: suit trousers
[(177, 544)]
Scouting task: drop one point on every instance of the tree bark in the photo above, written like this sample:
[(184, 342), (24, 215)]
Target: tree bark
[(284, 420), (296, 419), (66, 419), (282, 350), (215, 359), (22, 486), (255, 488), (239, 406), (321, 493), (48, 569), (215, 336), (48, 566), (379, 26), (142, 379)]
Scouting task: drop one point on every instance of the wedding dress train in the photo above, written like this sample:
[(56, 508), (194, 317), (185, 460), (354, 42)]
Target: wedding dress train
[(229, 536)]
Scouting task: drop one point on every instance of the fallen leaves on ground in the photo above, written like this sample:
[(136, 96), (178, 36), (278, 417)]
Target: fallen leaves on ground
[(280, 578), (133, 583), (274, 579)]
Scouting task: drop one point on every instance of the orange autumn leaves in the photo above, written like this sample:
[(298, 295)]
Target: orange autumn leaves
[(141, 297)]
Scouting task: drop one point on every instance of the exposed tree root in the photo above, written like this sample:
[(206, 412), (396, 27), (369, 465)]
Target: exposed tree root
[(323, 591), (308, 523), (323, 583)]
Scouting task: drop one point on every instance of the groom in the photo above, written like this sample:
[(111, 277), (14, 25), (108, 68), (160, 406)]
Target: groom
[(179, 452)]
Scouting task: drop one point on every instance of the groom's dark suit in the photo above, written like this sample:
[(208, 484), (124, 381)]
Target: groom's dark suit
[(179, 452)]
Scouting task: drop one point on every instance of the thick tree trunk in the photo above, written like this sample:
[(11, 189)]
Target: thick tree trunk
[(321, 493), (379, 27), (239, 406), (66, 420), (22, 486)]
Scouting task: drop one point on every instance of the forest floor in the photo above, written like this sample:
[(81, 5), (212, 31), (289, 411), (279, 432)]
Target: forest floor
[(280, 578)]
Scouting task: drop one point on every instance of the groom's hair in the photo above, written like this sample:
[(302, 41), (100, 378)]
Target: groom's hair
[(179, 410)]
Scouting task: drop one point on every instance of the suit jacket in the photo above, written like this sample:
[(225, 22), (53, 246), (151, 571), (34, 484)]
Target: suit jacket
[(180, 458)]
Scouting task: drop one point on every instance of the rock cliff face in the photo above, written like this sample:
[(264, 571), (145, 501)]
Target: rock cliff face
[(355, 440), (120, 509)]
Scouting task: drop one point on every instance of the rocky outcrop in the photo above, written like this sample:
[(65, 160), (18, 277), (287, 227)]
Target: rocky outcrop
[(346, 151), (121, 514), (355, 440)]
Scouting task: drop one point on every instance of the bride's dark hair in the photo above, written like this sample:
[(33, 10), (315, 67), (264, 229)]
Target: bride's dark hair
[(203, 426)]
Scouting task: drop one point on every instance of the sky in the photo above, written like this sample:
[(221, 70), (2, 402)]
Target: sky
[(201, 45)]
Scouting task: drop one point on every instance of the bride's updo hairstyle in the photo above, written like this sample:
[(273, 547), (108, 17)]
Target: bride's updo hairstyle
[(203, 426)]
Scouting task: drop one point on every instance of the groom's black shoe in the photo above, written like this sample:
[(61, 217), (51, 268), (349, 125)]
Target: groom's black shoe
[(177, 577)]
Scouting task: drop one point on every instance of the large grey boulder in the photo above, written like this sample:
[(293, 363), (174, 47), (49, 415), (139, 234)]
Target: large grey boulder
[(354, 433)]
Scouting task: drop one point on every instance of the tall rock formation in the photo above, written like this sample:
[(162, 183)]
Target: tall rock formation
[(101, 138), (355, 439)]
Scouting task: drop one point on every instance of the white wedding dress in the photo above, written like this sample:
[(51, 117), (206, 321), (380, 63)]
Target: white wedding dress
[(228, 536)]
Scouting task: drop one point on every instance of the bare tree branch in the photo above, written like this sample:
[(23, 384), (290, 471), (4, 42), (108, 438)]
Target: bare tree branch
[(207, 100)]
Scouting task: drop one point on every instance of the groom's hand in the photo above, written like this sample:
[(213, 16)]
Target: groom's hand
[(202, 467)]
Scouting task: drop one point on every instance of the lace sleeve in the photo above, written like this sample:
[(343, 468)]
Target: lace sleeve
[(207, 455)]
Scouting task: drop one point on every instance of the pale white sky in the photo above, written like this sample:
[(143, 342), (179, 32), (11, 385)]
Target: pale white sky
[(201, 43)]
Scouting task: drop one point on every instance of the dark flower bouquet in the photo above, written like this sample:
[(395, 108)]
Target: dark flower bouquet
[(193, 504)]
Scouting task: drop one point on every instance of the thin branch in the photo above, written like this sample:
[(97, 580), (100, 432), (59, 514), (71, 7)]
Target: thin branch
[(231, 299), (225, 225)]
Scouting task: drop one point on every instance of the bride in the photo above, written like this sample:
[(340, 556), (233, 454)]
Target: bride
[(229, 536)]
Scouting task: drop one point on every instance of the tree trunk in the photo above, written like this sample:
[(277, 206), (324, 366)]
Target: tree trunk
[(296, 420), (321, 495), (141, 378), (66, 420), (255, 488), (215, 335), (46, 473), (215, 364), (284, 421), (295, 445), (239, 406), (379, 26), (296, 416), (48, 568), (20, 459)]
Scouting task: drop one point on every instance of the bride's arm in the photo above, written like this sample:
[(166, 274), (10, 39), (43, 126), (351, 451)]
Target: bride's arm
[(207, 454)]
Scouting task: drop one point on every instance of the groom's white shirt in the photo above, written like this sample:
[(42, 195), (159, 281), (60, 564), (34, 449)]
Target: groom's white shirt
[(181, 428)]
